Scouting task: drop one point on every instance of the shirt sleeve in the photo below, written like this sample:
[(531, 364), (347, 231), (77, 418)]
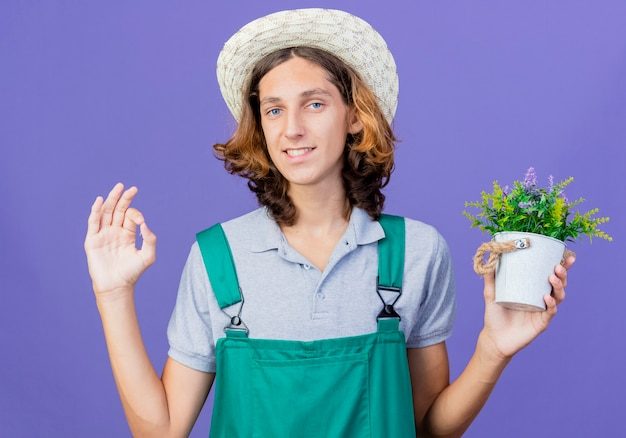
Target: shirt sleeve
[(189, 330), (437, 309)]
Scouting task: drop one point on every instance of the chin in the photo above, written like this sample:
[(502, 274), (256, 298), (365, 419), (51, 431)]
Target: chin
[(302, 181)]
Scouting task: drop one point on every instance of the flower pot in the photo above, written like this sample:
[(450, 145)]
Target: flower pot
[(522, 276)]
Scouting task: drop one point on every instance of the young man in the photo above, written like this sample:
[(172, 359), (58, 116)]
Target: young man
[(317, 314)]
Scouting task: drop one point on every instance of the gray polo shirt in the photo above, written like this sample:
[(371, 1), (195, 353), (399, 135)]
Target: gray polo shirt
[(286, 297)]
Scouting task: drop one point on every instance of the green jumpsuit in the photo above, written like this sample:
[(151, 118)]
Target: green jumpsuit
[(356, 386)]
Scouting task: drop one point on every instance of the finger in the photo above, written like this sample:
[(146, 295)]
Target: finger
[(93, 222), (549, 313), (490, 287), (569, 261), (122, 205), (557, 288), (109, 205), (148, 246), (132, 218), (568, 258), (561, 272)]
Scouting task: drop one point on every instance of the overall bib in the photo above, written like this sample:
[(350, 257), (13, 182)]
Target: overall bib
[(356, 386)]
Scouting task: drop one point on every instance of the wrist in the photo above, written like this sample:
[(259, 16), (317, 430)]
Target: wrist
[(114, 295), (489, 352)]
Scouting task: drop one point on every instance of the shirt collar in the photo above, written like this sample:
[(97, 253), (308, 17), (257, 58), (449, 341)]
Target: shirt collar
[(361, 229)]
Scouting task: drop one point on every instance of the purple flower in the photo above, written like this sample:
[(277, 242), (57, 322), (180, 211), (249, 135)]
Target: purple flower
[(550, 183), (530, 180), (525, 204), (506, 190)]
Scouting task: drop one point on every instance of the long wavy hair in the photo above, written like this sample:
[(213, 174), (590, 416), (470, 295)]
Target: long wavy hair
[(368, 155)]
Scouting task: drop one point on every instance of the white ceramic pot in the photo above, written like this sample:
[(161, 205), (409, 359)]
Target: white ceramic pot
[(522, 276)]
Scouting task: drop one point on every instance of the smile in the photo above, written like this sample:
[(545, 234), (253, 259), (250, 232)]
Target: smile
[(298, 152)]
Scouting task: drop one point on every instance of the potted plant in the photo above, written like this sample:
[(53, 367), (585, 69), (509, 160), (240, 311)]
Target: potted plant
[(529, 227)]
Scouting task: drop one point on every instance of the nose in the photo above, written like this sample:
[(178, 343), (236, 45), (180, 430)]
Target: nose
[(294, 128)]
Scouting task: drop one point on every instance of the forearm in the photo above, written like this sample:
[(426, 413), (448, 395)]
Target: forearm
[(455, 407), (141, 390)]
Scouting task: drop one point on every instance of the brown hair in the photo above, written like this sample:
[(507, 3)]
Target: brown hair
[(368, 155)]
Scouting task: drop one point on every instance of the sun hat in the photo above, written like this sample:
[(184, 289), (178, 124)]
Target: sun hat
[(346, 36)]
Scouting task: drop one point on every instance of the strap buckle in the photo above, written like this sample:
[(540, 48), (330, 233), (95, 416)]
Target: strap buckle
[(236, 323), (388, 311)]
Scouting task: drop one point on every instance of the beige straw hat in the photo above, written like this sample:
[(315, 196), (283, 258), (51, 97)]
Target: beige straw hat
[(346, 36)]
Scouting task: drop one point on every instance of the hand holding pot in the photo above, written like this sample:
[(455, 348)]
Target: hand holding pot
[(113, 260), (506, 330)]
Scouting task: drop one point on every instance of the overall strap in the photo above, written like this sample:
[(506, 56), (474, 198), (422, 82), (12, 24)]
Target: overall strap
[(390, 267), (391, 251), (219, 264)]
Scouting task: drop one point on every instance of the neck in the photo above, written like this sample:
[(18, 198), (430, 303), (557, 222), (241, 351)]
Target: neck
[(321, 210)]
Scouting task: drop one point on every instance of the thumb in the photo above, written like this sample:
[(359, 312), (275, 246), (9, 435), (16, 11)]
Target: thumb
[(490, 287), (148, 246)]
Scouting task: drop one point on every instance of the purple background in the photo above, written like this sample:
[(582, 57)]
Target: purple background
[(95, 94)]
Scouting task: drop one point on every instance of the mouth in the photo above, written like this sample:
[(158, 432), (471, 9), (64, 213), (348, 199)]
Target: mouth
[(298, 152)]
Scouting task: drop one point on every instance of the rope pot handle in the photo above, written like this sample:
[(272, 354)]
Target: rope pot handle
[(496, 249)]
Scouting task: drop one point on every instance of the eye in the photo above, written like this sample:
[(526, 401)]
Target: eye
[(320, 104), (273, 112)]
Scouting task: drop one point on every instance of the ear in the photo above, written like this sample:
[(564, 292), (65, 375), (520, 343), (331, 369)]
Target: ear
[(354, 125)]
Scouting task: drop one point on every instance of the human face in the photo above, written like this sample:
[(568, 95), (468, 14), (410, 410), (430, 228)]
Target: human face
[(305, 122)]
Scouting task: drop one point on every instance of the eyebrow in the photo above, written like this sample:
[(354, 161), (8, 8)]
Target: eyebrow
[(306, 93)]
